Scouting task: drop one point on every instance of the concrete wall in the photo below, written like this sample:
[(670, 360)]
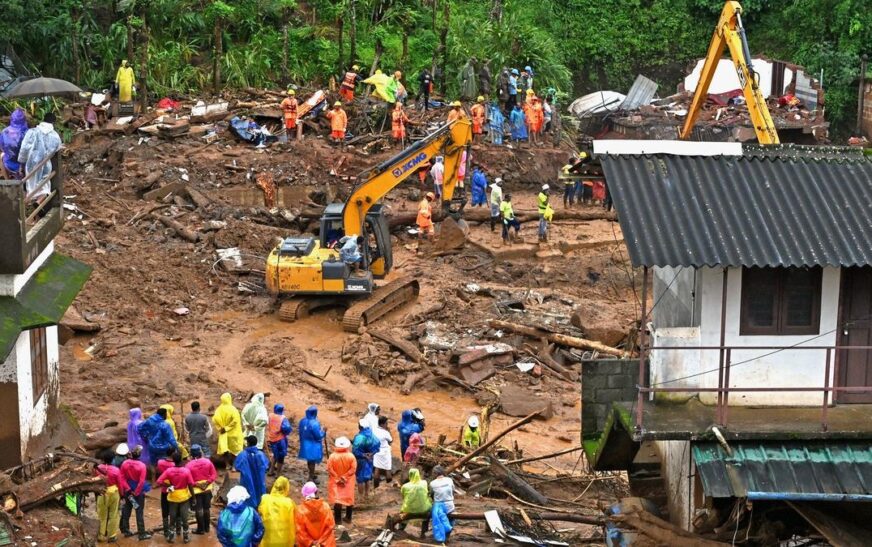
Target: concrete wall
[(603, 382), (11, 285), (726, 78), (867, 111), (788, 368), (677, 472), (675, 295)]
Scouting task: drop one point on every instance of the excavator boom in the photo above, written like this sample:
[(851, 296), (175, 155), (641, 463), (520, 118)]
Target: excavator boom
[(730, 33)]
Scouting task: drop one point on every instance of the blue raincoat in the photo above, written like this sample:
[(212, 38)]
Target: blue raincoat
[(519, 124), (364, 447), (311, 437), (252, 464), (439, 519), (406, 428), (479, 188), (158, 435), (10, 141), (495, 123), (239, 526)]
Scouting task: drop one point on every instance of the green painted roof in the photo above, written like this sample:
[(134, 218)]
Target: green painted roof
[(43, 300)]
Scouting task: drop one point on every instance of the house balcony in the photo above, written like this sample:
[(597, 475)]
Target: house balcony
[(27, 229)]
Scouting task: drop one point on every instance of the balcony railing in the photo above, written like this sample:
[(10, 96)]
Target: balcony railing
[(27, 228), (725, 364)]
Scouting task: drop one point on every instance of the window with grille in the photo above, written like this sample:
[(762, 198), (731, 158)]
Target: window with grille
[(781, 301), (38, 362)]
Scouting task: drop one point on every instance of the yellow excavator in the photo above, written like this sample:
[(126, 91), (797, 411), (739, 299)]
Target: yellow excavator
[(307, 272), (730, 33)]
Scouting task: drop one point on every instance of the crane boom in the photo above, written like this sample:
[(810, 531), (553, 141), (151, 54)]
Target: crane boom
[(450, 140), (731, 34)]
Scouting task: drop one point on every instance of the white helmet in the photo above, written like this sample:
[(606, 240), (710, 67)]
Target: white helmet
[(343, 442), (122, 449), (472, 421), (545, 187), (498, 181)]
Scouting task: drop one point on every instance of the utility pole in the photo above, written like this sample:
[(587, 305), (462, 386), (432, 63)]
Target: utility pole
[(862, 93)]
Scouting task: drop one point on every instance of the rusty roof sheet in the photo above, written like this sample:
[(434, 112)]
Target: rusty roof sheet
[(743, 210), (811, 470)]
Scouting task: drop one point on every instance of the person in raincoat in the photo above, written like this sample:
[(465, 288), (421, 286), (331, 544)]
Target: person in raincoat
[(349, 82), (277, 435), (277, 512), (158, 436), (416, 499), (526, 80), (239, 525), (338, 123), (468, 81), (424, 220), (39, 143), (456, 112), (399, 119), (252, 464), (364, 447), (479, 118), (133, 437), (410, 456), (341, 470), (471, 433), (519, 124), (183, 450), (125, 81), (479, 186), (406, 428), (228, 424), (484, 78), (384, 86), (315, 521), (10, 145), (496, 199), (311, 438), (442, 488), (255, 418), (461, 169), (382, 461), (373, 411), (495, 120), (535, 120), (437, 173)]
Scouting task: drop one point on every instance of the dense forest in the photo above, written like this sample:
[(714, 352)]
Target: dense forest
[(575, 46)]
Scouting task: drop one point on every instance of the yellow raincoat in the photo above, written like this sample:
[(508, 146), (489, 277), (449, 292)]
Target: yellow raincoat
[(416, 497), (278, 512), (229, 426), (382, 86), (125, 80), (169, 408)]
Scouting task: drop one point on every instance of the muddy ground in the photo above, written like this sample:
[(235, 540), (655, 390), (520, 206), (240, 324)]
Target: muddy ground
[(175, 326)]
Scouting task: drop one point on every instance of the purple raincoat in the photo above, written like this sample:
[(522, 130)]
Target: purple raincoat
[(133, 436), (10, 141)]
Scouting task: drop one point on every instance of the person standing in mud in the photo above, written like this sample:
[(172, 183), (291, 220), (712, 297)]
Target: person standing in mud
[(311, 441)]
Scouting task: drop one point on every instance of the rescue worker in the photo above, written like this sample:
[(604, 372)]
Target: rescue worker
[(437, 172), (341, 471), (425, 217), (416, 500), (456, 112), (496, 120), (479, 186), (204, 474), (542, 208), (568, 182), (364, 447), (338, 123), (134, 473), (255, 418), (228, 423), (509, 220), (471, 434), (536, 121), (311, 436), (400, 92), (109, 501), (407, 427), (289, 109), (349, 252), (277, 511), (512, 99), (496, 199), (239, 525), (315, 521), (158, 435), (399, 119), (121, 452), (277, 436), (125, 80), (527, 78), (252, 465), (382, 461), (349, 83), (479, 118), (425, 87), (179, 493)]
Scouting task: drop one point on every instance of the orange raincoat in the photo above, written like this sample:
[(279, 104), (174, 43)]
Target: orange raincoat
[(341, 467), (398, 123), (315, 523), (478, 118), (536, 116), (289, 108), (338, 123), (425, 216), (456, 114)]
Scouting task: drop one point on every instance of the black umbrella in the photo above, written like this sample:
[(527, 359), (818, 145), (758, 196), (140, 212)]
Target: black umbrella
[(40, 87)]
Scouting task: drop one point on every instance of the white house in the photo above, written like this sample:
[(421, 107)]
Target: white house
[(36, 287)]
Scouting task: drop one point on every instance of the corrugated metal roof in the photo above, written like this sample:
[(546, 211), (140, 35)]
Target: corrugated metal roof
[(790, 469), (743, 211), (641, 92)]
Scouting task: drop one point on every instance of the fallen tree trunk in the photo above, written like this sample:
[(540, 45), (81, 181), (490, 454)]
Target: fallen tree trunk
[(516, 484), (456, 465), (544, 456), (105, 438), (562, 339), (322, 386), (178, 228), (404, 346), (393, 519), (412, 380)]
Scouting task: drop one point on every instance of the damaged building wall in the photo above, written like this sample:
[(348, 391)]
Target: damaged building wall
[(678, 475), (603, 382), (11, 284), (726, 79), (674, 293)]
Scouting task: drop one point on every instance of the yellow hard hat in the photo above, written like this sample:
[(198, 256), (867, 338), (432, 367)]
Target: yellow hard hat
[(529, 92), (398, 75), (582, 155), (337, 103), (480, 99), (430, 196), (456, 103), (355, 67), (291, 92)]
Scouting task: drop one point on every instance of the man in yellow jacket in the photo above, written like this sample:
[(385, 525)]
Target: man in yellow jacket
[(278, 512), (228, 424), (125, 80)]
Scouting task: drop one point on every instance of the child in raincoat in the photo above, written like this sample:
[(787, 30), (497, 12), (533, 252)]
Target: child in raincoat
[(341, 470), (255, 418), (416, 499), (315, 522), (239, 525), (277, 510)]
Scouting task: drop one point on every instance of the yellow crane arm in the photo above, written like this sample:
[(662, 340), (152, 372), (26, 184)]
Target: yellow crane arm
[(730, 33), (450, 140)]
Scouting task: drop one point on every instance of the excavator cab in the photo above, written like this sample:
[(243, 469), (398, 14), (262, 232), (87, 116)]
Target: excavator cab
[(377, 253)]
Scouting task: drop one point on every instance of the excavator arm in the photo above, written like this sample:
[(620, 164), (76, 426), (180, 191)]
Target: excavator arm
[(731, 34), (449, 140)]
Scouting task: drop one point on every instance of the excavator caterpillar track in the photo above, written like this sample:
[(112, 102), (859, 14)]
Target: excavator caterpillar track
[(299, 307), (383, 300)]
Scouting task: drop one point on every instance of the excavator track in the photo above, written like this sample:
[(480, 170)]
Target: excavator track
[(299, 307), (382, 301)]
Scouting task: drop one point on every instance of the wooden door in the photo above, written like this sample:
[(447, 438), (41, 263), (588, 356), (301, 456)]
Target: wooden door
[(855, 329)]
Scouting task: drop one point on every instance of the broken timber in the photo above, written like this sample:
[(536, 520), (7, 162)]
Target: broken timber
[(404, 346), (516, 484), (492, 441), (392, 520), (562, 339)]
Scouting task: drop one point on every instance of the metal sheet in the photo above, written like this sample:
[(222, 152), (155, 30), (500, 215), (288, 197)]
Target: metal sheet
[(641, 93), (743, 211), (789, 470)]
